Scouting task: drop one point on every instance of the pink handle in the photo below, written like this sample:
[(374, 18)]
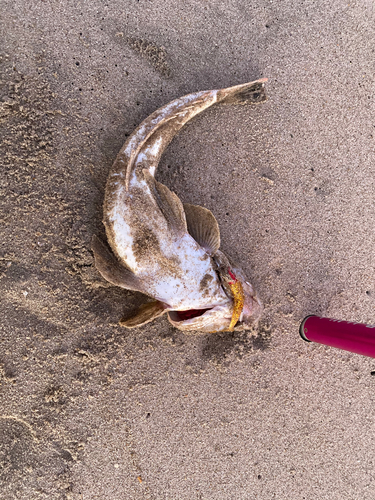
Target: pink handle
[(353, 337)]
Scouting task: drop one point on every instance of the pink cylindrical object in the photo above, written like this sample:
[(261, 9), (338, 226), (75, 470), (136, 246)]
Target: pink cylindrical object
[(353, 337)]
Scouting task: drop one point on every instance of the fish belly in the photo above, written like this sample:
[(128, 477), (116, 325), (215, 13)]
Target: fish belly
[(173, 269), (185, 278)]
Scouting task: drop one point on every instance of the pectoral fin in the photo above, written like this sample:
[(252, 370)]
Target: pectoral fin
[(111, 269), (203, 227), (146, 313), (168, 202)]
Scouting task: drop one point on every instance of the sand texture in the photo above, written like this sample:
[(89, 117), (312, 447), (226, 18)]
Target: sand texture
[(90, 410)]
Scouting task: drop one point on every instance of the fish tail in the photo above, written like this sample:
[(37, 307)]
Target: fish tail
[(247, 93), (145, 146)]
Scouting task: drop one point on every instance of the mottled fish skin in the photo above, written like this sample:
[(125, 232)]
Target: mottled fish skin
[(146, 224)]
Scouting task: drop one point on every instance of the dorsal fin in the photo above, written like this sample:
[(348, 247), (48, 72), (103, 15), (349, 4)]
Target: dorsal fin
[(111, 269), (168, 202), (203, 227)]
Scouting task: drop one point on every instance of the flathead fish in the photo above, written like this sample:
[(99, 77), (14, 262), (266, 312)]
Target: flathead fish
[(164, 248)]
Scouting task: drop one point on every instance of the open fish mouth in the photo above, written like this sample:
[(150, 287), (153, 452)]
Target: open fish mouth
[(216, 318), (177, 316)]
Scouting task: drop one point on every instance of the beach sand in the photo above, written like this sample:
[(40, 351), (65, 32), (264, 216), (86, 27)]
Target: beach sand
[(90, 410)]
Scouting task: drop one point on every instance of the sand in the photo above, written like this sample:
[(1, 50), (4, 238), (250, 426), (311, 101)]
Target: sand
[(90, 410)]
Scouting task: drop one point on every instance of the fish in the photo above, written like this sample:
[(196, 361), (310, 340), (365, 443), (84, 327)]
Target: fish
[(166, 249)]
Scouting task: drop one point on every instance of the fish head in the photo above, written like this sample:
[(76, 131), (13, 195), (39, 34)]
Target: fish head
[(246, 305), (240, 311)]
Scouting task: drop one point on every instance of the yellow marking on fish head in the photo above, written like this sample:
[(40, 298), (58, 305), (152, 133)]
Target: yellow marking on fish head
[(238, 300)]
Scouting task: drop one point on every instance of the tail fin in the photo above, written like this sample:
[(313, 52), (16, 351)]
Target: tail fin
[(247, 93)]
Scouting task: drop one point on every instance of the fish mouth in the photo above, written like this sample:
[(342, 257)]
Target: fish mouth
[(179, 316), (209, 319)]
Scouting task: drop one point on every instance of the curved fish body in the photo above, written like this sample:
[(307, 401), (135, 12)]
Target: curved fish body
[(166, 249)]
